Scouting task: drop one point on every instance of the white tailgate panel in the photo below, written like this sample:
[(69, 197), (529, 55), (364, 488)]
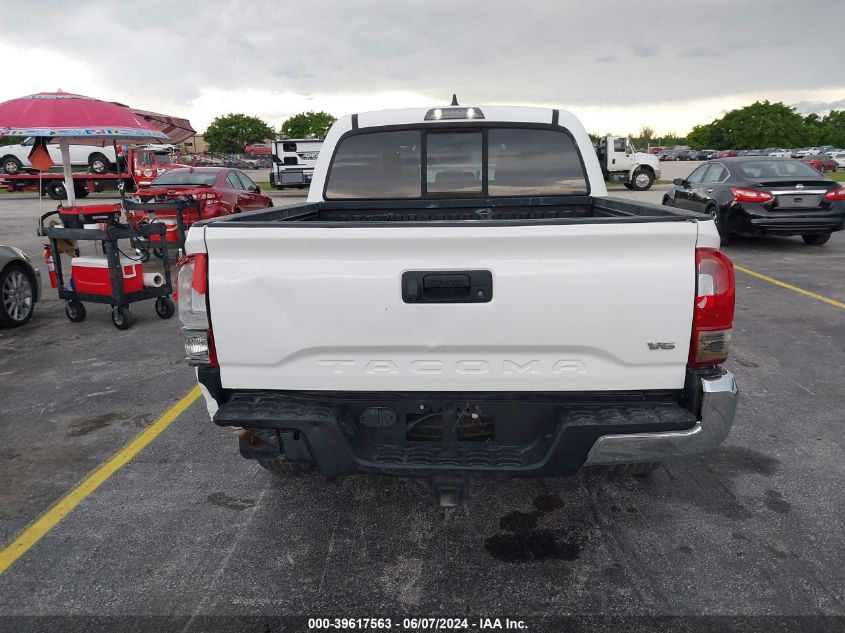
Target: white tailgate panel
[(574, 307)]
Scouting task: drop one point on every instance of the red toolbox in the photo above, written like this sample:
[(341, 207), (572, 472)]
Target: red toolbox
[(91, 275)]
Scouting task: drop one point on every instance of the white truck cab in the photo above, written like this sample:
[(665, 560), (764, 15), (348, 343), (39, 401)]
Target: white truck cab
[(620, 162)]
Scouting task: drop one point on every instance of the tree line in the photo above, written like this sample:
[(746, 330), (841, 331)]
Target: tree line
[(764, 124), (231, 132), (756, 126)]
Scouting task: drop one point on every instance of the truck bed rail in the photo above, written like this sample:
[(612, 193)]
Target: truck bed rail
[(556, 210)]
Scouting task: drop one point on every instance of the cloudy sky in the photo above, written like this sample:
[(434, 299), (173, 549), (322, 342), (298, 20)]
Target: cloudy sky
[(618, 65)]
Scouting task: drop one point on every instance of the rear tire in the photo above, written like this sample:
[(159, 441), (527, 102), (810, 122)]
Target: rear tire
[(816, 240), (713, 212), (98, 163), (56, 190), (12, 165)]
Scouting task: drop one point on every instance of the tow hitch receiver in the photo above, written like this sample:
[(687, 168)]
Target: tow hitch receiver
[(449, 492)]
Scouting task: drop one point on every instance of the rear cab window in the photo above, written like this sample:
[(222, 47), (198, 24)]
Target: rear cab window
[(436, 162)]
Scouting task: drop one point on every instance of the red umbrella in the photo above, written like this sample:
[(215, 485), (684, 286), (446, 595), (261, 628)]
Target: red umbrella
[(62, 115)]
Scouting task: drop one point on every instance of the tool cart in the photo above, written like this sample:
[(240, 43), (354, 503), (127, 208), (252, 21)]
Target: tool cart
[(176, 215), (116, 279)]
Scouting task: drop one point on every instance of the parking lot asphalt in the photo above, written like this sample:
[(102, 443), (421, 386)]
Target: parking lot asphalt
[(187, 528)]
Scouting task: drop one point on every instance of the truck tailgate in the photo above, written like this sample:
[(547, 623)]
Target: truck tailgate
[(575, 307)]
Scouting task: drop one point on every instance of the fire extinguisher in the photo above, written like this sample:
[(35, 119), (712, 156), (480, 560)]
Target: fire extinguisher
[(48, 259)]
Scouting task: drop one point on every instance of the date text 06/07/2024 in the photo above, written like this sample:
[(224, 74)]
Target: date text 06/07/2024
[(417, 624)]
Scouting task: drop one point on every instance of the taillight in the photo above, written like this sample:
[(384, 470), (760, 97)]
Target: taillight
[(207, 199), (193, 313), (713, 313), (835, 195), (750, 195)]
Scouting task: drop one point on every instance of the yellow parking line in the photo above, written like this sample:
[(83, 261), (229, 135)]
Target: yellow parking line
[(47, 521), (782, 284)]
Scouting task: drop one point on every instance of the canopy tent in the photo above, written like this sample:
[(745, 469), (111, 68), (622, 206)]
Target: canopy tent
[(177, 129), (64, 116)]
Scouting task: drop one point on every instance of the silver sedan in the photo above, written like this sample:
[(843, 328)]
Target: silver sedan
[(20, 287)]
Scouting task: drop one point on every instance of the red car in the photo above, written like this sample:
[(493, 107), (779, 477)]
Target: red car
[(257, 149), (218, 190), (822, 163), (728, 153)]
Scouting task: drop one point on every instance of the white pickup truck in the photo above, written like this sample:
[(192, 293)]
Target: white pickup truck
[(459, 297), (100, 160)]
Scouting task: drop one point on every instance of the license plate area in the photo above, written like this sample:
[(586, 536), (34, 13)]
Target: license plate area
[(798, 201)]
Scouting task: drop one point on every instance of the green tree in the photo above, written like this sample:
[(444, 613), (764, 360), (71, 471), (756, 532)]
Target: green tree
[(230, 133), (671, 140), (815, 129), (833, 128), (644, 138), (307, 124), (761, 124)]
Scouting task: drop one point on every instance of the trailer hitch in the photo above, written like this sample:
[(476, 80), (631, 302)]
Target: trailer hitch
[(449, 492)]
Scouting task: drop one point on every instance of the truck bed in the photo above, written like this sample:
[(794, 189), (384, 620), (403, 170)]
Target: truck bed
[(332, 302), (474, 212)]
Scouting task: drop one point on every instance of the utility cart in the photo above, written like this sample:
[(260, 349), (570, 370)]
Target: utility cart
[(175, 215), (116, 279)]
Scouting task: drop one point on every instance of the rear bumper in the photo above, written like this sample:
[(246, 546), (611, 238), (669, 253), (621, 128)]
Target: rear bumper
[(536, 435), (718, 406), (760, 221)]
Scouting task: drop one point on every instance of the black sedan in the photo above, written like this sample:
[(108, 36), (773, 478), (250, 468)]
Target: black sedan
[(763, 196)]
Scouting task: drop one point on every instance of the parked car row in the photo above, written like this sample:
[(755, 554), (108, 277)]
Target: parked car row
[(824, 158), (686, 154), (231, 161)]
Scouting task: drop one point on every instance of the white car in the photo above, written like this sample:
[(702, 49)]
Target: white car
[(781, 153), (459, 297), (839, 157), (100, 160)]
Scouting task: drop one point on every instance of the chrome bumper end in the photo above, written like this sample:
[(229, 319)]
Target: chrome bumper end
[(718, 406)]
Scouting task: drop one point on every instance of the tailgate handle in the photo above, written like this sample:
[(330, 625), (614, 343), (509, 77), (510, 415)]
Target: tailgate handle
[(454, 286)]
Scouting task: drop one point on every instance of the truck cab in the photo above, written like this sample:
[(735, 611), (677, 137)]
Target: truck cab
[(620, 162), (147, 163)]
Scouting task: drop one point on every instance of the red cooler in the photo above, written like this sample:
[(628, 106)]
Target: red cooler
[(91, 275)]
